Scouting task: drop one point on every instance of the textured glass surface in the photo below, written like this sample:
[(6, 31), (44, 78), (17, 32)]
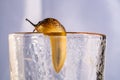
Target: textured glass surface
[(30, 57)]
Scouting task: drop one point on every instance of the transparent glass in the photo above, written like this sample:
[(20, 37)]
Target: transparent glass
[(30, 57)]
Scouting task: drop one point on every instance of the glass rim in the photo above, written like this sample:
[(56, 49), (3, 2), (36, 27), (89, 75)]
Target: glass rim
[(87, 33)]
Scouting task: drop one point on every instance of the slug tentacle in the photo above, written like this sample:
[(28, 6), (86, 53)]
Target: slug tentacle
[(30, 22)]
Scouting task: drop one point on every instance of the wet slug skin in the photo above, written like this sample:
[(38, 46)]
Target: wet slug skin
[(57, 33)]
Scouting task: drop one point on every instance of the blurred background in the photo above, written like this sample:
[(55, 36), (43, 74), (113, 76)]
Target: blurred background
[(101, 16)]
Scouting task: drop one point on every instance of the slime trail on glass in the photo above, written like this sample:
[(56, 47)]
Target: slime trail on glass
[(57, 34)]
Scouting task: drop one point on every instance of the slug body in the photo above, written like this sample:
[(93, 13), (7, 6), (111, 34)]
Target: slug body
[(57, 34)]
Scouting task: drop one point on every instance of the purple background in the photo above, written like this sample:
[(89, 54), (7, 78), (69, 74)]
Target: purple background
[(101, 16)]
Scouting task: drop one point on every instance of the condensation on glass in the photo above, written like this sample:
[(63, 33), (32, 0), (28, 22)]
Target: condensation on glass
[(30, 57)]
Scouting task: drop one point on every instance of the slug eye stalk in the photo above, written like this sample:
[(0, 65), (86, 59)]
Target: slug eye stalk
[(30, 22)]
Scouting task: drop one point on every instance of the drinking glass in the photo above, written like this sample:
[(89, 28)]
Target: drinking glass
[(31, 57)]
